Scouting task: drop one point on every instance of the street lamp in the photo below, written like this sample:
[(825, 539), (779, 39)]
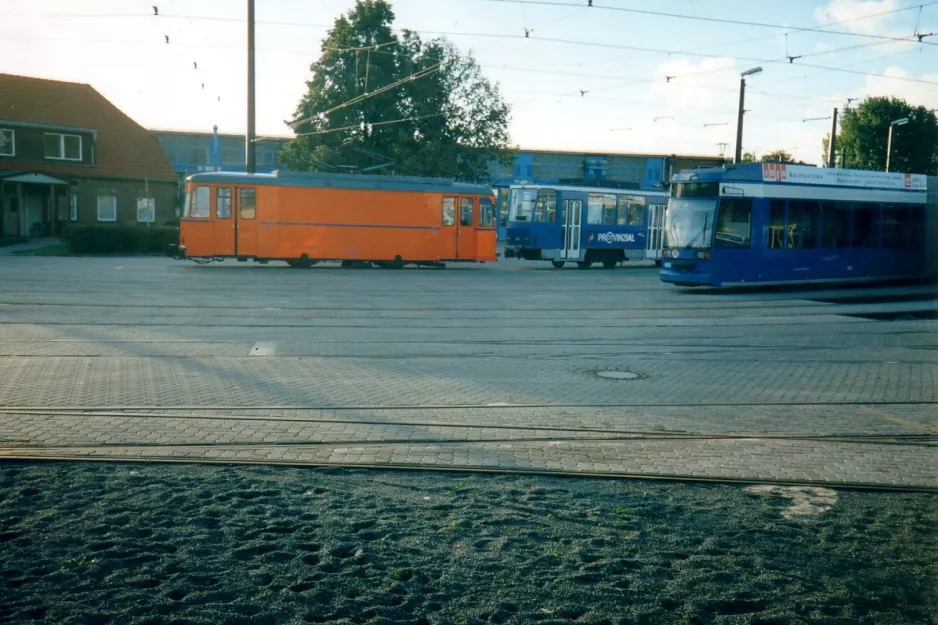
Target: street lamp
[(742, 104), (902, 121)]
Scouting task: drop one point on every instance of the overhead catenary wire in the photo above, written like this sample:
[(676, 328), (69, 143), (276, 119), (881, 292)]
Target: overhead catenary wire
[(719, 20), (415, 76), (358, 126)]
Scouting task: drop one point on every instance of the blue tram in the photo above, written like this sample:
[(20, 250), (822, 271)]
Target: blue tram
[(773, 223), (585, 225)]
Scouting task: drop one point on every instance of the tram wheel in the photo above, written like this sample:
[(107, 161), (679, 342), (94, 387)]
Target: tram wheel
[(609, 264), (558, 264), (398, 263), (584, 264)]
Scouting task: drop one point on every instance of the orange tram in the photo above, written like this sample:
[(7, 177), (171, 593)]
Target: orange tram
[(304, 218)]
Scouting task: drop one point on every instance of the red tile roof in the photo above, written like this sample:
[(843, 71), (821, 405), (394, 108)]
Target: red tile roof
[(125, 149)]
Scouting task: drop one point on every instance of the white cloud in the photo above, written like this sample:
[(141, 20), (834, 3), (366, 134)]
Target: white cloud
[(915, 93), (856, 14)]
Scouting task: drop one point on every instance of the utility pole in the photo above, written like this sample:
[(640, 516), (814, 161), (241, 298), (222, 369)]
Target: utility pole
[(832, 148), (898, 122), (251, 137), (742, 112)]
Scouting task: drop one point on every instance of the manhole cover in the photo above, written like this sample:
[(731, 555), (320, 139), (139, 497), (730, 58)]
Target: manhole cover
[(618, 375)]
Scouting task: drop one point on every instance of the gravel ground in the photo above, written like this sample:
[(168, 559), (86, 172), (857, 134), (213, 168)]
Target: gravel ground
[(132, 543)]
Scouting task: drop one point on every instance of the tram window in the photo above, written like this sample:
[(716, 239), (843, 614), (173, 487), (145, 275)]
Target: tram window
[(546, 208), (247, 204), (522, 204), (223, 203), (895, 225), (917, 226), (865, 225), (777, 224), (734, 223), (465, 211), (601, 209), (200, 203), (449, 211), (695, 189), (835, 224), (486, 213), (802, 224), (631, 210)]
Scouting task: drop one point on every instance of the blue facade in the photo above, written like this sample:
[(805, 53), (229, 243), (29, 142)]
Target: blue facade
[(195, 152)]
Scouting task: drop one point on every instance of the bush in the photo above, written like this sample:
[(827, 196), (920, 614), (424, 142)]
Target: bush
[(120, 239)]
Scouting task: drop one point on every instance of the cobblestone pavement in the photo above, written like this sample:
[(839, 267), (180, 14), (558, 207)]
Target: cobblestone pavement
[(495, 366)]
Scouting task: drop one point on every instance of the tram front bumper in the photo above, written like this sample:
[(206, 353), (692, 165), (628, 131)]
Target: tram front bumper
[(684, 272)]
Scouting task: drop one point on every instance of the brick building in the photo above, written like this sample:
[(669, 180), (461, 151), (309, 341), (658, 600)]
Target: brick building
[(68, 155)]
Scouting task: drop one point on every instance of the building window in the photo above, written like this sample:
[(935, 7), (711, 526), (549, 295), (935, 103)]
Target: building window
[(73, 207), (63, 147), (146, 210), (7, 142), (107, 208)]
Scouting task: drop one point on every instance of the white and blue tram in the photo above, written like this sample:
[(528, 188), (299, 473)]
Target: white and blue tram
[(584, 225), (773, 223)]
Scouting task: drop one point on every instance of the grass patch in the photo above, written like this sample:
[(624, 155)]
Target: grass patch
[(59, 249)]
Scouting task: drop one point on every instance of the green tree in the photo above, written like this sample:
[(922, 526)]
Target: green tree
[(748, 157), (864, 133), (778, 156), (396, 104)]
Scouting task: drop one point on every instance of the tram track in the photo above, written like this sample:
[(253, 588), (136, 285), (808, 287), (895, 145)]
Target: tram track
[(862, 486), (926, 436)]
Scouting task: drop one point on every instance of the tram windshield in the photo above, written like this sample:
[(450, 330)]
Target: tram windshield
[(690, 222), (522, 204)]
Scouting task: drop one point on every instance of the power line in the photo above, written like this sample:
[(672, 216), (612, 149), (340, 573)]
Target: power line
[(711, 19), (415, 76), (358, 126), (667, 52)]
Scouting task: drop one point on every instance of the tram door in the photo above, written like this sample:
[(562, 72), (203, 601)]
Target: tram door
[(656, 214), (246, 221), (572, 216)]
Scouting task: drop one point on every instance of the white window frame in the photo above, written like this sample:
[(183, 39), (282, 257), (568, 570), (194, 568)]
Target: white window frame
[(113, 207), (146, 203), (12, 132), (62, 156), (73, 207)]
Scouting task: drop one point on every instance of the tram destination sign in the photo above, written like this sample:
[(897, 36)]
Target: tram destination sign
[(804, 174)]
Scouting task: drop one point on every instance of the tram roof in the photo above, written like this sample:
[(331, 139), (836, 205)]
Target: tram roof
[(806, 175), (323, 180)]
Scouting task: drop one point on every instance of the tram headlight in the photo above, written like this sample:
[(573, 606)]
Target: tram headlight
[(666, 253), (703, 255)]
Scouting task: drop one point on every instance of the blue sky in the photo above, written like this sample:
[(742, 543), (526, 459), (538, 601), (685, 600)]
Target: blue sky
[(118, 46)]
